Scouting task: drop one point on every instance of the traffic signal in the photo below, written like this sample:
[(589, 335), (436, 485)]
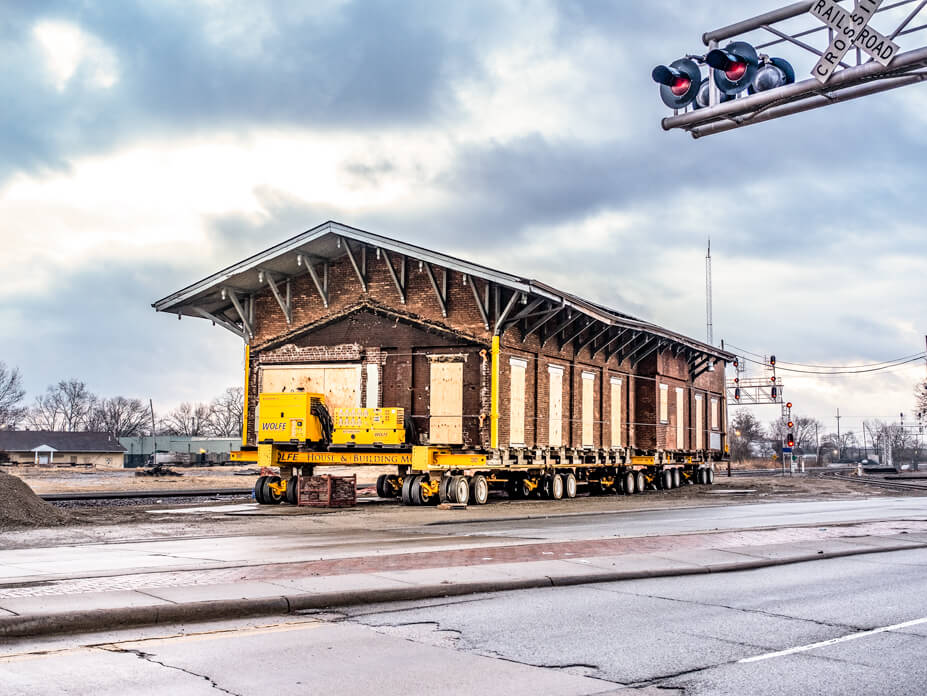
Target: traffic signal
[(791, 425), (789, 405), (735, 66), (775, 393), (791, 440), (773, 73), (772, 360), (737, 394), (679, 82), (703, 100)]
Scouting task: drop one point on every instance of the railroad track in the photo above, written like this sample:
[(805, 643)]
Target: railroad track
[(133, 495), (880, 483)]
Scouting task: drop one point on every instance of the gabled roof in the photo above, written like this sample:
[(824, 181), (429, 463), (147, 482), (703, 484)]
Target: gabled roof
[(28, 440), (208, 299)]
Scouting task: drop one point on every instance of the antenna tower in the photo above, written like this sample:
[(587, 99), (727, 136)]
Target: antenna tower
[(708, 294)]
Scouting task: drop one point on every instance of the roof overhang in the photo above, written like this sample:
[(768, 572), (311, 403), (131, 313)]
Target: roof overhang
[(226, 297)]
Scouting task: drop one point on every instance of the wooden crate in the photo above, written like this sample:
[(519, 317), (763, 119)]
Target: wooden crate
[(327, 491)]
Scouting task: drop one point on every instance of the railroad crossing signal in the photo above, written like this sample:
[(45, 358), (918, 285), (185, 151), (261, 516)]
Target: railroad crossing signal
[(850, 31), (747, 86)]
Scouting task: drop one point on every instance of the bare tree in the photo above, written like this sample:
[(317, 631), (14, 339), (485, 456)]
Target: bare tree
[(120, 417), (187, 419), (746, 432), (805, 431), (11, 396), (226, 411), (65, 406)]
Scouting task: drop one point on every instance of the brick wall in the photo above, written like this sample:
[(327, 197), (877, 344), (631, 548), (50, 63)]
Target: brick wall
[(376, 326)]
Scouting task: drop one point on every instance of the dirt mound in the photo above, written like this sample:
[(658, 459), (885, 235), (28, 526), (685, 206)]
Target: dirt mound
[(20, 507)]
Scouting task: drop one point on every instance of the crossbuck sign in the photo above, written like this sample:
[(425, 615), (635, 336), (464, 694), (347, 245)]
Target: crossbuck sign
[(850, 30)]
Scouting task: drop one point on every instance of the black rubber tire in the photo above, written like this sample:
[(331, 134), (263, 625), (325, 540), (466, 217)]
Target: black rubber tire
[(677, 478), (459, 490), (271, 498), (630, 483), (513, 489), (259, 490), (556, 487), (543, 490), (479, 490), (383, 487), (710, 474), (569, 486), (666, 479), (703, 476), (292, 491), (444, 492), (641, 483), (406, 495), (524, 491)]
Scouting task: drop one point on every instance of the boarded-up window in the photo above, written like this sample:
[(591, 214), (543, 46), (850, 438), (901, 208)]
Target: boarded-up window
[(446, 407), (517, 401), (373, 386), (699, 422), (715, 415), (555, 427), (588, 409), (616, 412), (664, 403), (680, 424), (341, 384)]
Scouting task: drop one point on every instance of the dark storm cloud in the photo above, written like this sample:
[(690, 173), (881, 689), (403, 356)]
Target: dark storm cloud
[(363, 65)]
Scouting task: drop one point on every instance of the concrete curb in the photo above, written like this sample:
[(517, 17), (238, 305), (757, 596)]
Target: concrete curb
[(214, 610)]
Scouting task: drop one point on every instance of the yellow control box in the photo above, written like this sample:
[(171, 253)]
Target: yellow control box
[(285, 417), (368, 426)]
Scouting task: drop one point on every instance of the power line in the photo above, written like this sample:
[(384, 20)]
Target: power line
[(843, 371), (906, 358)]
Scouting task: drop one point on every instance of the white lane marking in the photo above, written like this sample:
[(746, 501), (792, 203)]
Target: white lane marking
[(833, 641)]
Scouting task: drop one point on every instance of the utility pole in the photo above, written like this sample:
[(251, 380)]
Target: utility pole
[(708, 295), (839, 441)]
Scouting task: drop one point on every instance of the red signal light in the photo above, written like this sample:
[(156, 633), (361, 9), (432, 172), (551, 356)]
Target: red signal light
[(772, 379), (775, 393), (791, 424), (735, 71), (737, 394), (737, 380), (789, 405), (680, 86), (791, 440)]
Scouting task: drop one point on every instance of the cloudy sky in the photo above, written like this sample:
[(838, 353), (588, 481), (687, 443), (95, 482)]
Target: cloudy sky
[(145, 145)]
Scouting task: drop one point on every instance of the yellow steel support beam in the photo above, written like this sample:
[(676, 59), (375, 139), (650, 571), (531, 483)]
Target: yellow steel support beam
[(272, 456), (494, 396), (244, 420), (427, 458)]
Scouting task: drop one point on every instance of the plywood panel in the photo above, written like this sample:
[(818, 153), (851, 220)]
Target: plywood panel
[(715, 419), (616, 412), (699, 422), (588, 409), (341, 384), (664, 403), (446, 403), (517, 401), (555, 427), (680, 423)]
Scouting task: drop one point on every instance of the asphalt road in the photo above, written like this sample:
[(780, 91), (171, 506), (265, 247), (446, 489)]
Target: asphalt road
[(695, 519), (844, 626)]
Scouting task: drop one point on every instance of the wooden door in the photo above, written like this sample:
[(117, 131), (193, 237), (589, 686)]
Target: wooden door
[(517, 402), (555, 426), (446, 403), (616, 412), (588, 435)]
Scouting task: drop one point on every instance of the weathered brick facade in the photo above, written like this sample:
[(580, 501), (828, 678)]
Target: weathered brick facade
[(380, 326)]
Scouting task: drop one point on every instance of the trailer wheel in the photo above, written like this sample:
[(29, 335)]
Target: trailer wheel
[(666, 479), (524, 490), (271, 498), (384, 490), (630, 481), (259, 490), (292, 490), (710, 476), (640, 482), (556, 487), (569, 485), (445, 494), (459, 490), (677, 478), (513, 488), (479, 489), (406, 494)]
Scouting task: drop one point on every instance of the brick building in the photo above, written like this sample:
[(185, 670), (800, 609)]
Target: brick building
[(371, 321)]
